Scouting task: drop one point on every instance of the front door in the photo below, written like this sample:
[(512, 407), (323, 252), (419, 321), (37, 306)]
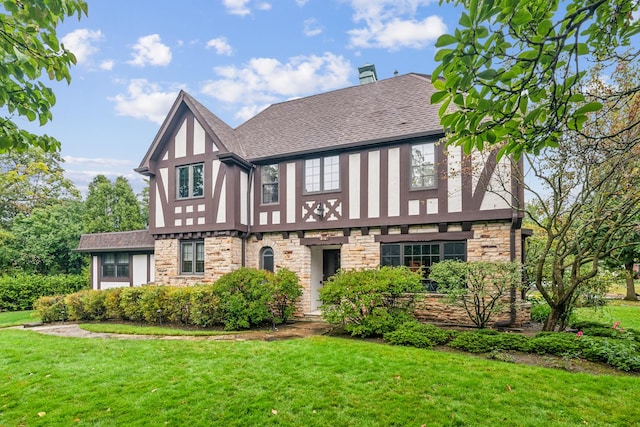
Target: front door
[(330, 263)]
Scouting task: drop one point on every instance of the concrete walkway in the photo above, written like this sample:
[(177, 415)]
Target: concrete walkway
[(289, 331)]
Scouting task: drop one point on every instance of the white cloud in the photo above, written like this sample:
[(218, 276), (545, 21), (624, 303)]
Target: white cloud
[(392, 24), (107, 65), (221, 46), (267, 80), (237, 7), (397, 33), (96, 161), (82, 170), (246, 112), (301, 2), (264, 6), (144, 100), (241, 7), (311, 27), (149, 50), (80, 42)]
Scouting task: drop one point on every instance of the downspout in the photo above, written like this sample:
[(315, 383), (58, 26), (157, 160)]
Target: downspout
[(246, 236), (512, 250)]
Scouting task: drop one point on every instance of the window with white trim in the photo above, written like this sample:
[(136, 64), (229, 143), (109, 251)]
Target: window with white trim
[(192, 257), (190, 181), (422, 254), (115, 265), (269, 184), (423, 166), (322, 174)]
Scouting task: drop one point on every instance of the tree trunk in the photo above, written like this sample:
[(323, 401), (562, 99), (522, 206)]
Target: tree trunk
[(556, 318), (631, 288)]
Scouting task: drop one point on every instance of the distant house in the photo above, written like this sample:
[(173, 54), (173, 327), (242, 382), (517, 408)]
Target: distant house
[(350, 178)]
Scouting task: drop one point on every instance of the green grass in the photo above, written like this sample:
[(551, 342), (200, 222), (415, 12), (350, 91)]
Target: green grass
[(121, 328), (15, 318), (317, 381), (625, 312)]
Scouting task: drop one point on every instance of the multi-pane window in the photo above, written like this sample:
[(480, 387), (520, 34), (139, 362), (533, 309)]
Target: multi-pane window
[(422, 254), (190, 181), (192, 257), (266, 258), (322, 174), (270, 184), (115, 265), (423, 166)]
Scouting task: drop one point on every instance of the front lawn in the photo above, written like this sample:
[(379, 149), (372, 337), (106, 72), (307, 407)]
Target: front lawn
[(316, 381), (15, 318), (625, 312)]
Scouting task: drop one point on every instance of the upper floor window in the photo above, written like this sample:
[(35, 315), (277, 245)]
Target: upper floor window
[(423, 166), (192, 257), (322, 174), (115, 264), (190, 181), (266, 258), (269, 184)]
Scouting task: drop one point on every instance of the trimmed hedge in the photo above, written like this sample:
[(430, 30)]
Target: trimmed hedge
[(621, 351), (20, 292), (238, 300)]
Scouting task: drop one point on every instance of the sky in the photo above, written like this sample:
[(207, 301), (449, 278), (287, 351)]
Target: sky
[(235, 56)]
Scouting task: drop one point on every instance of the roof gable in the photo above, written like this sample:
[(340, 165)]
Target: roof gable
[(137, 240), (222, 134)]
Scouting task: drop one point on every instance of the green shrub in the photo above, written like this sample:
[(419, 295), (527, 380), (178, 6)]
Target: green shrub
[(285, 290), (243, 298), (370, 302), (421, 335), (86, 305), (19, 292), (51, 309), (154, 303), (177, 307), (113, 304), (540, 312), (556, 343), (485, 341), (130, 304), (204, 306), (623, 354)]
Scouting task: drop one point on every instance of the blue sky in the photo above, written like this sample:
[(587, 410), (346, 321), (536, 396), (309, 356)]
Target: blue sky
[(235, 56)]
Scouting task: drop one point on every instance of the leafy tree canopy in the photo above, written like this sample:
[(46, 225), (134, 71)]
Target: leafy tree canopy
[(513, 71), (112, 207), (30, 179), (29, 47)]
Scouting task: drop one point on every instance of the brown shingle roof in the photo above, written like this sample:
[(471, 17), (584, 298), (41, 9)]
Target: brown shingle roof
[(122, 241), (385, 110)]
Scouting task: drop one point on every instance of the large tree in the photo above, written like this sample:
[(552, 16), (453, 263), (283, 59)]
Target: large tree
[(29, 47), (44, 242), (30, 179), (111, 207), (513, 72)]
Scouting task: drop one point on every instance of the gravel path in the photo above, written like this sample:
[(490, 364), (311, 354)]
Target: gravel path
[(282, 332)]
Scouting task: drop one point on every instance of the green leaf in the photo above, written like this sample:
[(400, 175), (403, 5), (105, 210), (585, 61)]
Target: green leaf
[(445, 40), (438, 96), (588, 108), (465, 21), (488, 74)]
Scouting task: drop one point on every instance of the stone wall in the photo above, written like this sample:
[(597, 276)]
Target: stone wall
[(434, 308), (492, 242), (360, 252), (223, 254)]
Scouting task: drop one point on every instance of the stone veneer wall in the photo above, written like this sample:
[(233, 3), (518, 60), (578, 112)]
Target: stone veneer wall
[(287, 253), (492, 242), (433, 308), (223, 254)]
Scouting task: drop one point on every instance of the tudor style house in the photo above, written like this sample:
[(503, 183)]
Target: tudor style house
[(352, 178)]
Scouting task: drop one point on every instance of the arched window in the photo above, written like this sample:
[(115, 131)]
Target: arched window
[(266, 258)]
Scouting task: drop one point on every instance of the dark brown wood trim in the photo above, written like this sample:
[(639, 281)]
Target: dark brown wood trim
[(424, 237), (343, 183), (484, 180), (319, 241), (443, 178)]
